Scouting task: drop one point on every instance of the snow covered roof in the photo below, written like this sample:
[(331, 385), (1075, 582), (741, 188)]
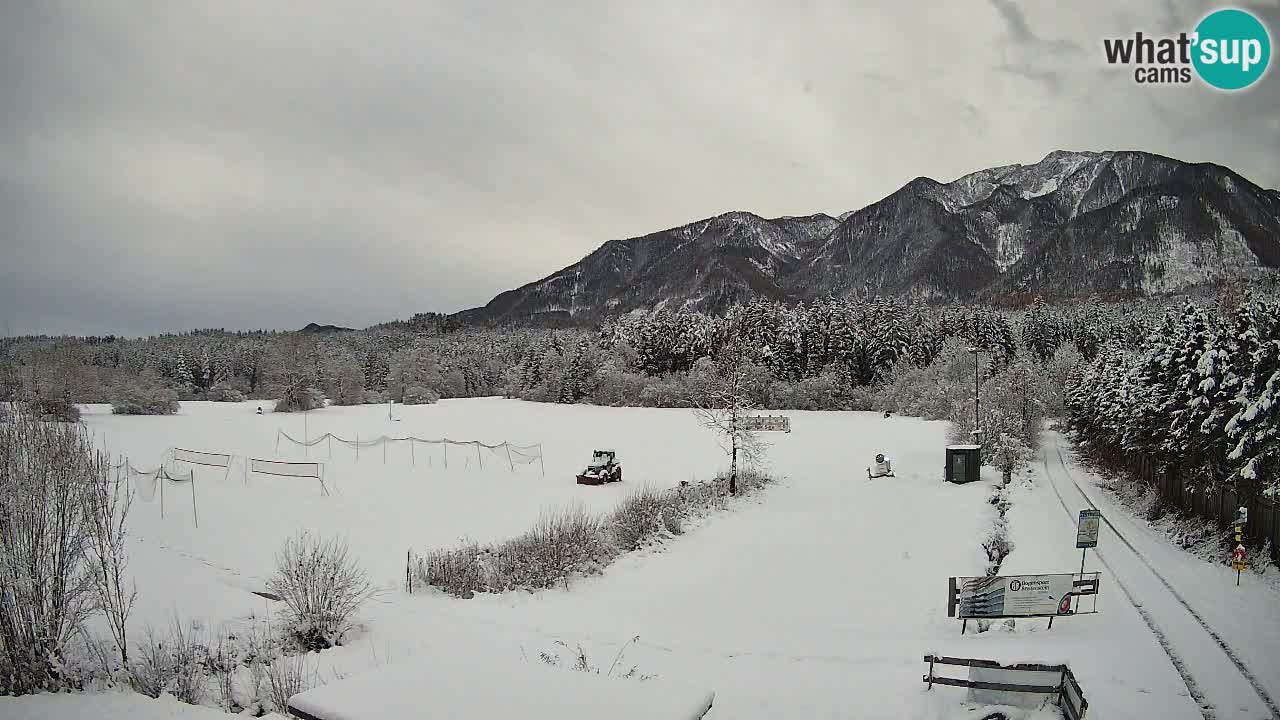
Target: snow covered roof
[(483, 689), (964, 447)]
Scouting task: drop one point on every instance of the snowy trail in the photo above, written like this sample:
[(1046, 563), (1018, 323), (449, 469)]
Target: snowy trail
[(1220, 681)]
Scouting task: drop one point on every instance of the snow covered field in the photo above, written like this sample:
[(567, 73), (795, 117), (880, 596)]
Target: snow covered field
[(817, 598)]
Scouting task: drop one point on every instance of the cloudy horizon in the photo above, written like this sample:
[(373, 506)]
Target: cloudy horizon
[(169, 166)]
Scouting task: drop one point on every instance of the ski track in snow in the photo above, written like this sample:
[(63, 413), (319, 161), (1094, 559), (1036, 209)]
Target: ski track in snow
[(1208, 708)]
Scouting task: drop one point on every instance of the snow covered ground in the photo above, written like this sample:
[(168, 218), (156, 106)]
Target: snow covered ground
[(817, 598)]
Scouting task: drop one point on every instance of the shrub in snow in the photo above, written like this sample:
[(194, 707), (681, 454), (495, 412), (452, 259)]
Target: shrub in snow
[(225, 392), (54, 408), (174, 663), (322, 589), (145, 395), (60, 549), (418, 395), (457, 571), (644, 516), (1259, 559), (152, 669), (297, 399), (997, 543), (571, 542), (286, 677), (561, 544)]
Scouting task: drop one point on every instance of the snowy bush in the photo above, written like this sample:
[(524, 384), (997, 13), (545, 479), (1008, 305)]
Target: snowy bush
[(145, 395), (932, 391), (152, 670), (561, 544), (571, 542), (286, 677), (644, 516), (418, 395), (58, 539), (54, 408), (616, 387), (298, 399), (322, 588), (997, 543), (225, 392), (175, 663), (666, 392)]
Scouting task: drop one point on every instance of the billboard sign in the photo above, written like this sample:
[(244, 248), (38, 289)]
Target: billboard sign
[(1005, 596), (1087, 528), (767, 423)]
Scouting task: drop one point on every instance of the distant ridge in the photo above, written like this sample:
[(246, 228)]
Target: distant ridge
[(1115, 224)]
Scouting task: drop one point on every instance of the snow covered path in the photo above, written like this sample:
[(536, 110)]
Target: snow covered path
[(1225, 640)]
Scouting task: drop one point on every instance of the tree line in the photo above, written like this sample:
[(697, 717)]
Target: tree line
[(1200, 393), (819, 355)]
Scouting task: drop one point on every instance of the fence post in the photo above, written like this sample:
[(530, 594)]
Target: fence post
[(194, 514)]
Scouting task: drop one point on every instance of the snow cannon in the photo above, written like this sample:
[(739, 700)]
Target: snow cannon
[(604, 468)]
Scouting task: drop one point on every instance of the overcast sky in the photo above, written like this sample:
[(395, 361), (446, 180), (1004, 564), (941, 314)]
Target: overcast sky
[(174, 164)]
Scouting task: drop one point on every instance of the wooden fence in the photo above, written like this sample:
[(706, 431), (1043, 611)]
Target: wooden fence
[(1217, 504)]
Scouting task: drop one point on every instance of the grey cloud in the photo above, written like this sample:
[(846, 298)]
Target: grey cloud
[(1049, 79), (240, 164), (1019, 30)]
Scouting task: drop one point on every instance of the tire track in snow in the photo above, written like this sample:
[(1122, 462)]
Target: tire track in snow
[(1222, 644), (1206, 708)]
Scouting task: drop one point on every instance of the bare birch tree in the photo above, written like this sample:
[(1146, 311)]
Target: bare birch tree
[(724, 402)]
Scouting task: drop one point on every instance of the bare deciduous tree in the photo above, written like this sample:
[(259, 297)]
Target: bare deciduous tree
[(724, 403), (291, 373), (48, 473), (110, 499)]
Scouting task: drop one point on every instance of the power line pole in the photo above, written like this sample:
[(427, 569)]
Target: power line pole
[(975, 350)]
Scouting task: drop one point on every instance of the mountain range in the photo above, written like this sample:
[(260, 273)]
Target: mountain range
[(1116, 224)]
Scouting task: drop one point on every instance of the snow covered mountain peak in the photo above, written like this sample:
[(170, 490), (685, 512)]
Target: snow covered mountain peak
[(1071, 224)]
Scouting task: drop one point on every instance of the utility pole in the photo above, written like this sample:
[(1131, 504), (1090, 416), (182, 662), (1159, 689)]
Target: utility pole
[(975, 350)]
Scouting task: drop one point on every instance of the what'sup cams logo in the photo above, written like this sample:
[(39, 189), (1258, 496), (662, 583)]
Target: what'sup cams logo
[(1229, 50)]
